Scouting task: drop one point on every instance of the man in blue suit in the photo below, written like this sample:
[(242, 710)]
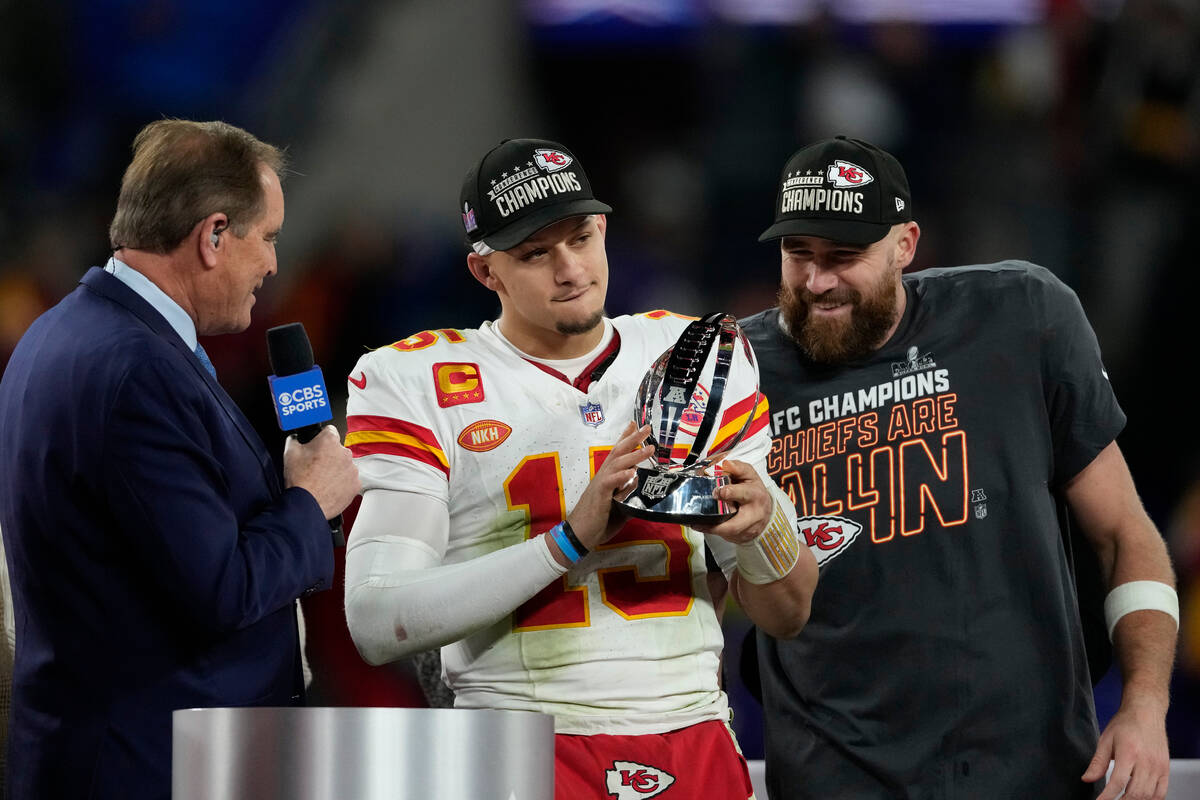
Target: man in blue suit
[(155, 554)]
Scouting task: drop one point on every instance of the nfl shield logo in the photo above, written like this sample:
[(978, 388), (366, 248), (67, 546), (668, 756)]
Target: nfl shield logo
[(656, 486), (592, 414)]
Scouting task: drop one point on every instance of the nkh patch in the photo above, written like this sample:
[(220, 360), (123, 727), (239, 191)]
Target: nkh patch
[(629, 780), (826, 537), (484, 435), (592, 414)]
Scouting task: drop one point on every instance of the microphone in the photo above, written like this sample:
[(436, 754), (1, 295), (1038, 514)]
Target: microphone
[(298, 392)]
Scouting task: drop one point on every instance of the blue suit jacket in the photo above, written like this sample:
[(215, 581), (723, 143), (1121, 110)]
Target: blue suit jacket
[(154, 555)]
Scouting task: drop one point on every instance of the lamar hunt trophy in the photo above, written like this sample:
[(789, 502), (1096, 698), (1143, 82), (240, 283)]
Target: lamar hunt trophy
[(699, 399)]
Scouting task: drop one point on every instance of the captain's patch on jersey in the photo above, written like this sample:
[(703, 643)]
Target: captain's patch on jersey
[(629, 780), (484, 435), (457, 384), (825, 537)]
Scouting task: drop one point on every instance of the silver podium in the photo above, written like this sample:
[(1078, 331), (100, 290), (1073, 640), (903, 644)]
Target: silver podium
[(361, 754)]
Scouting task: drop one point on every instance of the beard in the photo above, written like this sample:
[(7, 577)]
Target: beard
[(837, 341), (576, 327)]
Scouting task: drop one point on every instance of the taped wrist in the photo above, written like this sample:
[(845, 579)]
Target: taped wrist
[(1139, 596), (772, 554)]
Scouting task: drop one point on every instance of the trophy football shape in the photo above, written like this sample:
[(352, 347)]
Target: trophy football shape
[(699, 398)]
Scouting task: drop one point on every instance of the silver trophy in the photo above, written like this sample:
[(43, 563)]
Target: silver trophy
[(685, 397)]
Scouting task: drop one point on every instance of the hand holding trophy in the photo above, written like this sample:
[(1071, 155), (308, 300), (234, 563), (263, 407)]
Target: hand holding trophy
[(699, 399)]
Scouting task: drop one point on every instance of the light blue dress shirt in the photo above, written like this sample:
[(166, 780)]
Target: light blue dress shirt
[(156, 297)]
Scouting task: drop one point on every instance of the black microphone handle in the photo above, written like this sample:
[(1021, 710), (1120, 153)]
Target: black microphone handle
[(306, 435), (335, 528)]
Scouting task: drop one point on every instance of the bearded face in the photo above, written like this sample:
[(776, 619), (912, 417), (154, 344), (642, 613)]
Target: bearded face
[(843, 338)]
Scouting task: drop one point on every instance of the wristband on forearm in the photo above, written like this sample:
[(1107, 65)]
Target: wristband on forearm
[(568, 542), (772, 554), (1139, 596)]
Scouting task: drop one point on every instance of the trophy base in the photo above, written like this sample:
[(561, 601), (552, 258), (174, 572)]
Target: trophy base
[(679, 498)]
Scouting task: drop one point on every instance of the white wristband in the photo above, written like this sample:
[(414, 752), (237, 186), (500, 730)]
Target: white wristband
[(771, 555), (1139, 596)]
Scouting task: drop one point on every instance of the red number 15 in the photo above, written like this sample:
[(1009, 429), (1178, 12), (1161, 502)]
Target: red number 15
[(536, 487)]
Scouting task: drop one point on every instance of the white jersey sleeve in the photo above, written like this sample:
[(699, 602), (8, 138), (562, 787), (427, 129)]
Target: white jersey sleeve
[(401, 601)]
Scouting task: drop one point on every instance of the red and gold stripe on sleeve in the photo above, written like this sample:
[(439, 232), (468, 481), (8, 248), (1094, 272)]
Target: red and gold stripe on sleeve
[(735, 417), (373, 435)]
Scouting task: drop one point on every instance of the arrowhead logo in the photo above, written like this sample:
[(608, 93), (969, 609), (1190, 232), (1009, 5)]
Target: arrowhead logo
[(629, 780), (825, 537), (846, 175), (552, 160)]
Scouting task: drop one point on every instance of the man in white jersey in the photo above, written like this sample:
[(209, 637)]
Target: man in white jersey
[(472, 444)]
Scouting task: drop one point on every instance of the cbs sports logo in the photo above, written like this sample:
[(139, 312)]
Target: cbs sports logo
[(306, 398)]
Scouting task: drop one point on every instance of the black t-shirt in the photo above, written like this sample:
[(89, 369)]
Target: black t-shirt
[(944, 656)]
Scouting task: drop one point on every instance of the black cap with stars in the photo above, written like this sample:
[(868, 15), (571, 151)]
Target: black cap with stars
[(519, 187), (842, 189)]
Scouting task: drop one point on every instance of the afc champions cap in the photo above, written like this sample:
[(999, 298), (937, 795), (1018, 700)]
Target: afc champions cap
[(520, 187), (846, 190)]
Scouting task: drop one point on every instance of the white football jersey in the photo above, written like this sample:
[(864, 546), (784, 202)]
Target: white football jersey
[(627, 640)]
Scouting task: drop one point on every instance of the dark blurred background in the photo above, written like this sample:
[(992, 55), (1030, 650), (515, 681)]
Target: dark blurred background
[(1064, 132)]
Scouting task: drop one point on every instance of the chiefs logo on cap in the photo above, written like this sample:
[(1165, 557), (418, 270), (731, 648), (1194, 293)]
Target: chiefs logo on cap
[(846, 175), (457, 384), (552, 160)]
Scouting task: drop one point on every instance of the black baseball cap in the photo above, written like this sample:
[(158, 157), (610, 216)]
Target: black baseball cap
[(520, 187), (842, 189)]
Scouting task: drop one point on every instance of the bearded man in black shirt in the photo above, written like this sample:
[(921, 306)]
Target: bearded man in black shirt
[(930, 428)]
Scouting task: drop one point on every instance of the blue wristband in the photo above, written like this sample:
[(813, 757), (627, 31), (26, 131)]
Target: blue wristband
[(569, 532), (564, 542)]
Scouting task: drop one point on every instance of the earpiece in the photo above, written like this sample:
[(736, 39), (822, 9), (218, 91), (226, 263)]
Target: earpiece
[(216, 235)]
